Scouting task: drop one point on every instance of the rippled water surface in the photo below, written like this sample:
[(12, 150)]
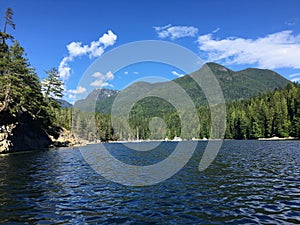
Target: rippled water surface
[(249, 182)]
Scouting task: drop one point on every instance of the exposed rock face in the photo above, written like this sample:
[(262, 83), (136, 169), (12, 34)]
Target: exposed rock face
[(66, 138), (24, 137), (4, 143), (29, 136)]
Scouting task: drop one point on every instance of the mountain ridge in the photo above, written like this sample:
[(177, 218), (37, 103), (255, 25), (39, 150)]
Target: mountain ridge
[(236, 85)]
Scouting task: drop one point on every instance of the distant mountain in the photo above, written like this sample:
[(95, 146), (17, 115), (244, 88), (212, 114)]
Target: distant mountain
[(64, 103), (236, 85), (106, 96)]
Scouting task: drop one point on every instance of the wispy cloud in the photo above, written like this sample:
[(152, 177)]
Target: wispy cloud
[(175, 32), (295, 79), (102, 79), (177, 74), (76, 49), (216, 30), (292, 22), (277, 50), (135, 72), (294, 75)]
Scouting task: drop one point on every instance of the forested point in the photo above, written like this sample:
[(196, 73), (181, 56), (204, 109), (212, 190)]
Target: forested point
[(27, 106)]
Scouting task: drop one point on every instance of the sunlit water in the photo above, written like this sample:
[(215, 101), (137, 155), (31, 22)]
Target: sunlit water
[(249, 182)]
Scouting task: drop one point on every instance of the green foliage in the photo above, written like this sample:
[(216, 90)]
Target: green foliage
[(148, 108), (267, 115), (21, 98), (52, 88), (21, 88), (63, 117), (9, 19)]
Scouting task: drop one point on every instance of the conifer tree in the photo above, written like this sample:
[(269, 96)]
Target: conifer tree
[(52, 88)]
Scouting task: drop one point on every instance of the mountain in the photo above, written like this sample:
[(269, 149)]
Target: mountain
[(64, 104), (105, 96), (236, 85)]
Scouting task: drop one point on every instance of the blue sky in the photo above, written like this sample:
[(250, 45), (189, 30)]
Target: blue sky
[(70, 35)]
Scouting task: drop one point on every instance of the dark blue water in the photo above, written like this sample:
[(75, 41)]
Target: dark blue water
[(254, 182)]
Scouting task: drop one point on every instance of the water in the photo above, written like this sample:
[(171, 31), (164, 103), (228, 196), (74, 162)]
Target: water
[(249, 182)]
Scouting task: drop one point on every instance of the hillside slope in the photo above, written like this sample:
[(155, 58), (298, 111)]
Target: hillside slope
[(236, 85)]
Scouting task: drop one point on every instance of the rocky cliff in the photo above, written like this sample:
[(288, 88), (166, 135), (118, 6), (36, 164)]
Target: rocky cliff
[(23, 137)]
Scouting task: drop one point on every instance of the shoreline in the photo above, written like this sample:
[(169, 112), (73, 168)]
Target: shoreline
[(83, 143), (278, 139)]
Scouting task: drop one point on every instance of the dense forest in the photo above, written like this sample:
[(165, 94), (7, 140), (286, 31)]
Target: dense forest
[(272, 114)]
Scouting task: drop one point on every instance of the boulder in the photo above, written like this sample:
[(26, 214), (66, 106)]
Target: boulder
[(66, 139)]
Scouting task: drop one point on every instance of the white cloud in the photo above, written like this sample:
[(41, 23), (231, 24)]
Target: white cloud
[(71, 94), (126, 72), (100, 84), (97, 74), (102, 79), (175, 32), (76, 49), (95, 49), (295, 79), (177, 74), (108, 39), (273, 51), (64, 69), (78, 90), (71, 98), (135, 72), (294, 75)]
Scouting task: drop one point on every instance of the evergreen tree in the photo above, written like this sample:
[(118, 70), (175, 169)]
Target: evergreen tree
[(52, 88), (21, 90), (21, 99)]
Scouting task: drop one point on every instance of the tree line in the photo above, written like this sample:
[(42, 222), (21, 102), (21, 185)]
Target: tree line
[(268, 115), (272, 114)]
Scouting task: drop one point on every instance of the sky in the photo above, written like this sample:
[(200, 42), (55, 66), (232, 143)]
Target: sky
[(71, 35)]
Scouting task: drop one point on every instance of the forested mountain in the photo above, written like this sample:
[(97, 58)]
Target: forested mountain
[(276, 113), (235, 86)]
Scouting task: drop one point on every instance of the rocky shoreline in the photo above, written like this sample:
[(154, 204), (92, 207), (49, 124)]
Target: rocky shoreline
[(66, 139), (23, 137), (30, 136)]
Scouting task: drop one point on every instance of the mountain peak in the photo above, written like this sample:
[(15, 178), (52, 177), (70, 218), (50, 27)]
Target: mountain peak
[(235, 85)]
